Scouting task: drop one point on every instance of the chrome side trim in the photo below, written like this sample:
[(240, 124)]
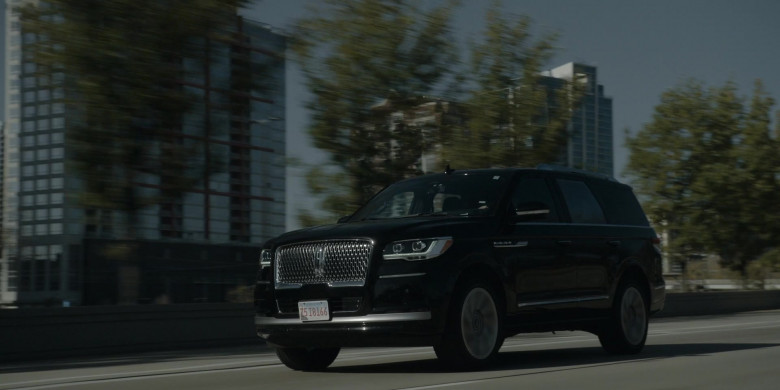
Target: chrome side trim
[(371, 318), (510, 244), (401, 275), (562, 301)]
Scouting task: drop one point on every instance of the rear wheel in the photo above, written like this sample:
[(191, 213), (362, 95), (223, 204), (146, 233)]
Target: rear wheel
[(626, 330), (307, 359), (474, 331)]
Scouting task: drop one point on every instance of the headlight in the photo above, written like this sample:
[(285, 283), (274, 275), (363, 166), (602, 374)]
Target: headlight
[(417, 249), (265, 258)]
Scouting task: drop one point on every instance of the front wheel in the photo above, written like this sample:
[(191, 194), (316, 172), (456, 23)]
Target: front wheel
[(626, 330), (473, 334), (307, 359)]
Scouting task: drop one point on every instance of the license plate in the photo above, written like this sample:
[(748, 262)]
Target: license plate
[(313, 311)]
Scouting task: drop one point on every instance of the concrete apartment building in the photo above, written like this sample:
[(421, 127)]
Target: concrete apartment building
[(193, 249)]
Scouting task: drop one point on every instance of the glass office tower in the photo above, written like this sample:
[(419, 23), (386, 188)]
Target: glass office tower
[(197, 248), (590, 129)]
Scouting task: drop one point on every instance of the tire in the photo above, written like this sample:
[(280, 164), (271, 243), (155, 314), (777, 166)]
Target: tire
[(626, 330), (474, 331), (307, 359)]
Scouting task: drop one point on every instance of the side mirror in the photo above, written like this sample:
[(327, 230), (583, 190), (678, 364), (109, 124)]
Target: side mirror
[(531, 211), (343, 219)]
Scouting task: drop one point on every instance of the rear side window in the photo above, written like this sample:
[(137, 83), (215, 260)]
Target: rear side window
[(583, 206), (620, 204)]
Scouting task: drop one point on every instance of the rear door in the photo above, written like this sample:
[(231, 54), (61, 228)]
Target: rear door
[(543, 274), (592, 240)]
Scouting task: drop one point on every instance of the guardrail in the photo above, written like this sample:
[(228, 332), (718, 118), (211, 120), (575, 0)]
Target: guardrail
[(80, 331)]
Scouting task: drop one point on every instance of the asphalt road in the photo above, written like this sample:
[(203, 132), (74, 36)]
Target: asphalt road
[(723, 352)]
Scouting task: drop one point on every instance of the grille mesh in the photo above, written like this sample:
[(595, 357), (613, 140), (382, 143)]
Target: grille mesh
[(334, 261)]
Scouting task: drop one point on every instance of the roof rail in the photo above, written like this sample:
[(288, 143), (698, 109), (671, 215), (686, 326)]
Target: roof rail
[(559, 168)]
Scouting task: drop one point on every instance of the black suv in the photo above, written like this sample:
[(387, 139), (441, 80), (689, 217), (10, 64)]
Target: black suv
[(460, 261)]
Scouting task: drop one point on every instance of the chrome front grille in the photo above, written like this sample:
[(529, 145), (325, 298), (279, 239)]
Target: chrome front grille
[(332, 262)]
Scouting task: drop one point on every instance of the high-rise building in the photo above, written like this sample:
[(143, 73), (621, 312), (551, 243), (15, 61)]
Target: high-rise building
[(199, 247), (590, 129)]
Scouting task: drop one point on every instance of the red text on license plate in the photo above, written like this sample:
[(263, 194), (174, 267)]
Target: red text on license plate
[(313, 311)]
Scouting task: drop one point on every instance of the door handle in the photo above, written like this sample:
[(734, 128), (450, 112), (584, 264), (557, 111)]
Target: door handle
[(614, 243)]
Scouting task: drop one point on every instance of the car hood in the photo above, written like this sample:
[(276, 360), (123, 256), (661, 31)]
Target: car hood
[(387, 230)]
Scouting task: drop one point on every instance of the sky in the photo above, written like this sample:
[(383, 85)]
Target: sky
[(641, 49)]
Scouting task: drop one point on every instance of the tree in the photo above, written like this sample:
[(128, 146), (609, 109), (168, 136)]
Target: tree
[(121, 64), (363, 61), (512, 119), (707, 170)]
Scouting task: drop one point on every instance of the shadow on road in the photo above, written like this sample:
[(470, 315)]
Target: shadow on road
[(556, 359)]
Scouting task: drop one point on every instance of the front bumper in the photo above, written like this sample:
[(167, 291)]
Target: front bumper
[(372, 330)]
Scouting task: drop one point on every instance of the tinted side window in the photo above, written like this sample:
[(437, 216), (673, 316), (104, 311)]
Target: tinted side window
[(583, 206), (620, 204), (533, 194)]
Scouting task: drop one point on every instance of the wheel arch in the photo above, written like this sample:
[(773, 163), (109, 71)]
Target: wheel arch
[(634, 272), (480, 270)]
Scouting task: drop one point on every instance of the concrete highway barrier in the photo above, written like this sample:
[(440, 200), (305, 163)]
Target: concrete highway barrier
[(93, 330)]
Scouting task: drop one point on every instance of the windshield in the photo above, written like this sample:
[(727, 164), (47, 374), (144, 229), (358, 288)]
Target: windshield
[(465, 194)]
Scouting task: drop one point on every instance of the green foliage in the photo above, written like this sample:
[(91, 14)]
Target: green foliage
[(367, 60), (707, 168), (121, 63), (512, 119), (364, 59)]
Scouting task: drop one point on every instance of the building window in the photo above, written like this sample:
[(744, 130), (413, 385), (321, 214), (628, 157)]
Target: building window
[(57, 153), (27, 186), (29, 96), (43, 139), (43, 124), (41, 214), (27, 215), (41, 229), (56, 183), (57, 123), (55, 213), (27, 230), (56, 168), (28, 155), (55, 228), (28, 170), (29, 82), (42, 169), (57, 108), (56, 198), (29, 111), (42, 184), (56, 138), (41, 199), (28, 140), (44, 95), (43, 154), (29, 126)]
